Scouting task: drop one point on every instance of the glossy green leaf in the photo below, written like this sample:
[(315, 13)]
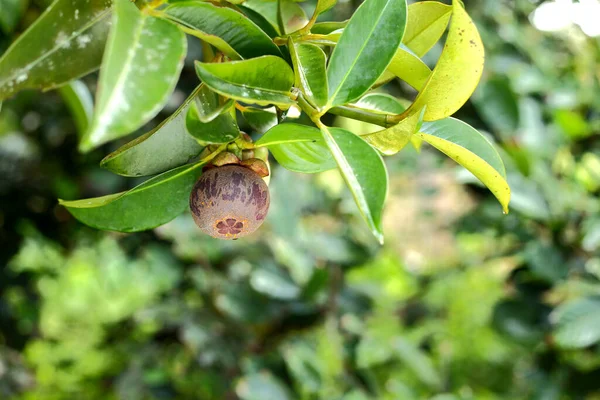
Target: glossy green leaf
[(410, 68), (153, 203), (457, 72), (263, 80), (140, 49), (299, 148), (232, 27), (49, 54), (427, 21), (259, 21), (364, 173), (292, 15), (260, 120), (80, 102), (391, 140), (381, 103), (365, 49), (165, 147), (577, 323), (470, 149), (220, 128), (309, 68)]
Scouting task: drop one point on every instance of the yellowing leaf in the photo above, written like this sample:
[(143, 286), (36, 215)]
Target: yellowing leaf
[(469, 148), (391, 140), (457, 72), (408, 67), (427, 21)]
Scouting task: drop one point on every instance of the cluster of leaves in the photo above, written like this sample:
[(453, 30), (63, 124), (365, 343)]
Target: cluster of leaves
[(263, 58)]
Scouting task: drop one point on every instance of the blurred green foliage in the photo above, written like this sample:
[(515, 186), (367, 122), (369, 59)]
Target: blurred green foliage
[(461, 303)]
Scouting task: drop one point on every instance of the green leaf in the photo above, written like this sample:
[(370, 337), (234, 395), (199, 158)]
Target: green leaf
[(290, 16), (427, 21), (261, 386), (79, 100), (365, 49), (273, 282), (391, 140), (259, 20), (262, 80), (240, 33), (299, 148), (309, 68), (325, 28), (408, 67), (140, 49), (470, 149), (293, 16), (498, 105), (364, 173), (415, 359), (381, 103), (11, 12), (577, 323), (457, 72), (260, 120), (49, 54), (222, 128), (165, 147), (153, 203), (324, 5)]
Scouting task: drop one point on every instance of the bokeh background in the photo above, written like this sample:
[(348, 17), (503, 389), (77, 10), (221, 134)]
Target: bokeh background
[(462, 302)]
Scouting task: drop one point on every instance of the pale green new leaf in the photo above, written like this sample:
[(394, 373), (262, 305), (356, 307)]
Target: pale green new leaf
[(457, 72), (470, 149), (410, 68), (141, 49), (391, 140), (427, 21), (65, 43)]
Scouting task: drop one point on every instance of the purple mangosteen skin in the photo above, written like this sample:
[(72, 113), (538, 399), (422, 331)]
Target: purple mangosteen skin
[(229, 202)]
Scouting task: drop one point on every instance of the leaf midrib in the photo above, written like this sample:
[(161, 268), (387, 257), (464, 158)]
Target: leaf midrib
[(418, 33), (347, 74)]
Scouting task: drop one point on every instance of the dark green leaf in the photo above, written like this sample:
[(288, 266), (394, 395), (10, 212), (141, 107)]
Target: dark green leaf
[(365, 49), (49, 54), (165, 147), (309, 68), (364, 173), (222, 128), (577, 323), (263, 80), (79, 100), (299, 148), (260, 120), (498, 106), (259, 20), (141, 49), (520, 320), (153, 203), (11, 12), (239, 32)]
